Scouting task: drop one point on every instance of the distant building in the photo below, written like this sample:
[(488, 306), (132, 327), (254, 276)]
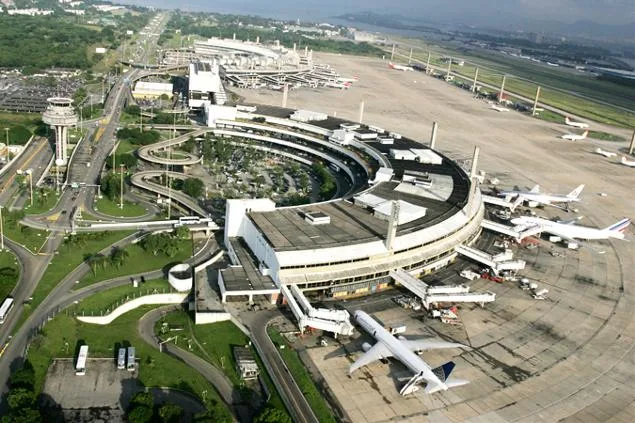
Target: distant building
[(30, 12), (144, 89), (205, 85), (246, 363)]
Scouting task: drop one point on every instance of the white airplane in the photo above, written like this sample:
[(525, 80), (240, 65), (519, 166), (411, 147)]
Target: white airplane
[(626, 162), (391, 65), (575, 124), (349, 80), (605, 153), (403, 350), (500, 108), (575, 137), (534, 196), (567, 230), (343, 86)]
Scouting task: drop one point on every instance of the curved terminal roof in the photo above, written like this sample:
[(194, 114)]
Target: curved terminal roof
[(442, 189)]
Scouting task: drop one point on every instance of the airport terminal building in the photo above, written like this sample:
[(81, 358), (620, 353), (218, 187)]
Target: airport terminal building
[(415, 207)]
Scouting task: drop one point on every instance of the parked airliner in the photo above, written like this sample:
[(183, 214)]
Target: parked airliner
[(534, 196), (403, 350), (391, 65), (575, 137), (575, 124), (605, 153), (569, 231)]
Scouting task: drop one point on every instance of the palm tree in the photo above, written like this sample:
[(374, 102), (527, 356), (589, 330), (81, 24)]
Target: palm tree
[(118, 256)]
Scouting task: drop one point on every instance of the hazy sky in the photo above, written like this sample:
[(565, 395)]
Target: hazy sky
[(465, 11)]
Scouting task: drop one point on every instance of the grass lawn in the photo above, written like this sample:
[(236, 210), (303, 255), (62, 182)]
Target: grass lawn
[(9, 273), (217, 340), (524, 77), (68, 258), (549, 116), (114, 297), (43, 201), (302, 378), (32, 239), (605, 136), (63, 334), (138, 261), (109, 207)]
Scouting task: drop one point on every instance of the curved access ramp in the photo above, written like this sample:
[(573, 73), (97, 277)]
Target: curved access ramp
[(141, 180), (148, 152)]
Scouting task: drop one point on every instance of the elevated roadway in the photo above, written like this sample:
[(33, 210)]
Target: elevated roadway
[(141, 180)]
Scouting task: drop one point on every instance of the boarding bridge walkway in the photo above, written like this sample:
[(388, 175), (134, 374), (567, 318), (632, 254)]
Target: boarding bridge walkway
[(474, 297), (517, 232), (414, 285), (439, 294), (335, 321), (501, 202), (496, 263)]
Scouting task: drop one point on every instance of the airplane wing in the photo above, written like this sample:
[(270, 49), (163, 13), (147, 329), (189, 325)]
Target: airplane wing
[(429, 344), (570, 221), (535, 189), (377, 352), (575, 241)]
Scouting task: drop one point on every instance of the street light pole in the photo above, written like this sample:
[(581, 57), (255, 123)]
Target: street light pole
[(30, 173), (1, 231), (121, 189), (7, 146)]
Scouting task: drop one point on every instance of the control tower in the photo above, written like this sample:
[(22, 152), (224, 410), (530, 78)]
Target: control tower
[(60, 115)]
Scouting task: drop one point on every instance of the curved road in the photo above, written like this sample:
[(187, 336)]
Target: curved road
[(139, 179), (285, 384), (217, 378)]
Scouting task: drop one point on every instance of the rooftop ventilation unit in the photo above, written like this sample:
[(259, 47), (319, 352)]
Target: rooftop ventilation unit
[(317, 218)]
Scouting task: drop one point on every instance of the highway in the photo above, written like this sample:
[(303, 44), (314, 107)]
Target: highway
[(37, 156), (35, 266)]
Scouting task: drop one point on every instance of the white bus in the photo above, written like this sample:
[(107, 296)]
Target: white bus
[(5, 308), (121, 359), (80, 367), (188, 220), (132, 365)]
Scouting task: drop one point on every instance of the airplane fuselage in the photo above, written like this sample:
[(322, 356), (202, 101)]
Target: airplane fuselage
[(411, 360), (569, 231), (540, 198)]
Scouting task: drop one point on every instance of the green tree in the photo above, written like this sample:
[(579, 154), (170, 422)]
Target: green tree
[(270, 414), (143, 398), (20, 398), (140, 414), (170, 413), (24, 377), (133, 110), (26, 415), (182, 232), (193, 187), (118, 256)]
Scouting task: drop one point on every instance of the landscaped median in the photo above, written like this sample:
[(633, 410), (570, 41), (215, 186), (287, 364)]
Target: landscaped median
[(106, 206), (301, 377), (213, 343)]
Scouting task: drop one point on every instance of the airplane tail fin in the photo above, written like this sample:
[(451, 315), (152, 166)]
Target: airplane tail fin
[(585, 134), (576, 192), (619, 227), (443, 373), (444, 370)]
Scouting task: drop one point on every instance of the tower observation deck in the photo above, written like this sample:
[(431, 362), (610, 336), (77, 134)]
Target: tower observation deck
[(60, 115)]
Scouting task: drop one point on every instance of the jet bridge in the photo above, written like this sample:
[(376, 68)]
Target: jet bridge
[(496, 263), (335, 321), (501, 202), (440, 294), (516, 232)]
